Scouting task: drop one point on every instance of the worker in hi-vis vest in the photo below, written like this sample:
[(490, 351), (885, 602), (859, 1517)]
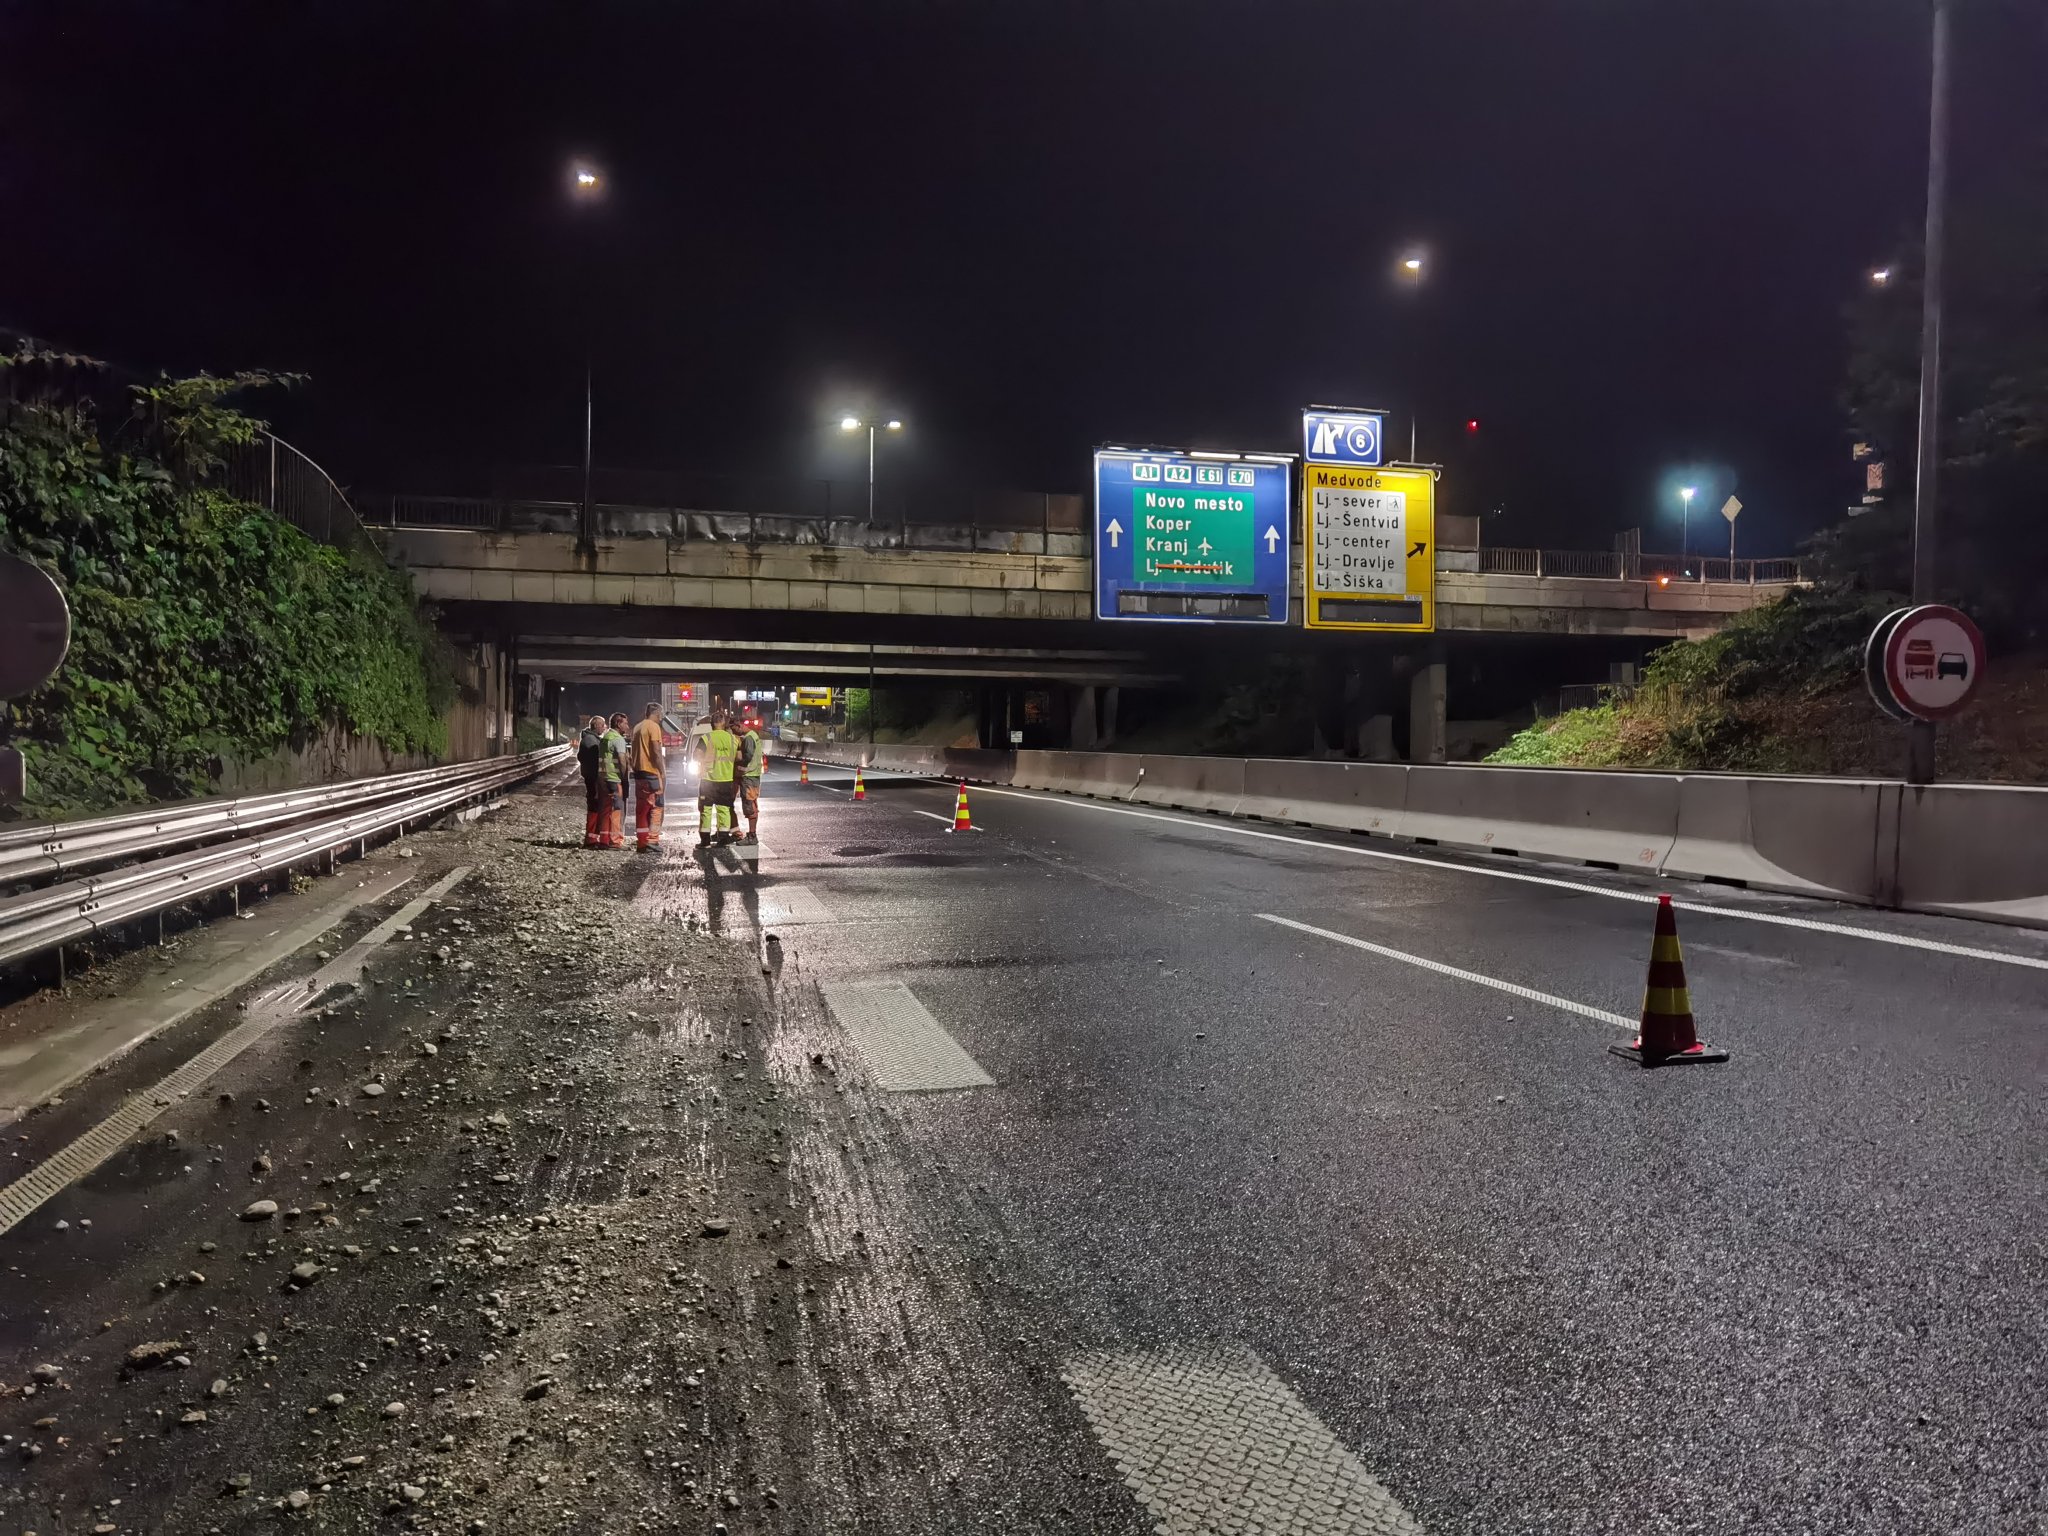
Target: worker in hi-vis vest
[(715, 782), (752, 755)]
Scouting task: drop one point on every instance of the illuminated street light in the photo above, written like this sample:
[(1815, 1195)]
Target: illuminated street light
[(855, 424), (1412, 265), (1685, 496), (586, 185), (1880, 276)]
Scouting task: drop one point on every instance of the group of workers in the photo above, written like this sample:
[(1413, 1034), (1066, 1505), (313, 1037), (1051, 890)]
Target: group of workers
[(728, 777)]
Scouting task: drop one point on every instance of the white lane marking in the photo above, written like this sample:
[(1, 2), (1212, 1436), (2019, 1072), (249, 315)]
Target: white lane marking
[(73, 1162), (1213, 1443), (1441, 969), (935, 816), (793, 904), (906, 1049), (1581, 887)]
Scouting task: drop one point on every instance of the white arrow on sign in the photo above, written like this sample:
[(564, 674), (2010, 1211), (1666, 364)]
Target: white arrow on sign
[(1116, 531), (1730, 508), (1272, 537)]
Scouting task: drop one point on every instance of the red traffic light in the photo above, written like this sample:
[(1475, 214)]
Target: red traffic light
[(1472, 426)]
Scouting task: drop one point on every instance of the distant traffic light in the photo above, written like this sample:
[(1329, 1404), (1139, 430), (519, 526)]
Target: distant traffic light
[(1472, 427)]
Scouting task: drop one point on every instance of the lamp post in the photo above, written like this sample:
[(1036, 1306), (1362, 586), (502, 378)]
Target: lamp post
[(1926, 460), (1411, 272), (1685, 496), (586, 185), (855, 424)]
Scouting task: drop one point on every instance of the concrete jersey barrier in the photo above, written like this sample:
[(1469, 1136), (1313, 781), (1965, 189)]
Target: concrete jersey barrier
[(1214, 784), (1627, 820), (1354, 797), (1812, 837)]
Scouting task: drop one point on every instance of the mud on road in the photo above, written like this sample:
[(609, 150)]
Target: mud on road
[(580, 1220)]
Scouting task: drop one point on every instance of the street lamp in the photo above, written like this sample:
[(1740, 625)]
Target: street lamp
[(1880, 276), (855, 424), (586, 184), (1685, 496)]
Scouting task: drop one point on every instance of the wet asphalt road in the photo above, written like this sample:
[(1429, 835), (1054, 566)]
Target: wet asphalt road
[(1533, 1287), (1527, 1285)]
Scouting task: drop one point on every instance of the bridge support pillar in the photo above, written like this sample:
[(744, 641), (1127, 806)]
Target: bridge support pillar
[(1081, 733), (1429, 706), (1105, 719), (1376, 738)]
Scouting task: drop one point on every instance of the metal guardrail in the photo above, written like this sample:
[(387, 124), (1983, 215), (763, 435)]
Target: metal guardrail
[(188, 864), (39, 850)]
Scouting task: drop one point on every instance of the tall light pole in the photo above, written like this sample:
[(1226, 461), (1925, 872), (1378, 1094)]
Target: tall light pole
[(1411, 273), (855, 424), (1685, 496), (586, 185), (1926, 456)]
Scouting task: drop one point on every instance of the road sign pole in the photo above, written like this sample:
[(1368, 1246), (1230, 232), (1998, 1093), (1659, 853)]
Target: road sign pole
[(1920, 745)]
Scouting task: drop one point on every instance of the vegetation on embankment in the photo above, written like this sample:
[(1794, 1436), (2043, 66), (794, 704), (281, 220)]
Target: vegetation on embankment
[(204, 630), (1781, 690)]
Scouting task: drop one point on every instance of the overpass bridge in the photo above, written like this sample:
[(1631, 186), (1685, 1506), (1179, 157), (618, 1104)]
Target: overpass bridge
[(748, 595)]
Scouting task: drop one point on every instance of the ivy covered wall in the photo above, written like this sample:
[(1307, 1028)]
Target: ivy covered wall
[(204, 630)]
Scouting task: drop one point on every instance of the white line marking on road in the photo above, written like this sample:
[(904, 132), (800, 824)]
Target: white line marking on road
[(935, 816), (1581, 887), (906, 1049), (793, 904), (73, 1162), (1213, 1444), (1441, 969)]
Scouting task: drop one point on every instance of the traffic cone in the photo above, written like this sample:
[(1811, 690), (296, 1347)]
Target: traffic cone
[(1667, 1037), (860, 788), (961, 823), (803, 770)]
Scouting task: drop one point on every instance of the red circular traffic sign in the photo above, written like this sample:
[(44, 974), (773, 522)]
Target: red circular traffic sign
[(1933, 661), (35, 627)]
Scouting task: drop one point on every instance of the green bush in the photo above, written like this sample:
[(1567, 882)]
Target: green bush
[(1578, 738), (203, 629)]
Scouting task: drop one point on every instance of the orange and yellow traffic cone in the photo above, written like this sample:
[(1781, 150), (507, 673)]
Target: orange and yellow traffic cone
[(961, 823), (1667, 1037), (803, 770), (860, 788)]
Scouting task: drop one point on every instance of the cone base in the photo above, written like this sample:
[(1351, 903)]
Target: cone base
[(1699, 1053)]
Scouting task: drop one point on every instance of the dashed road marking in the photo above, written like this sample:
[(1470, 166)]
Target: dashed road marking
[(73, 1162), (1214, 1444), (1402, 955), (1555, 882), (793, 904), (906, 1049)]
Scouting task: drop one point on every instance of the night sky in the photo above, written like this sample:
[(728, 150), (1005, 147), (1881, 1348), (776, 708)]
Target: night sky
[(1026, 227)]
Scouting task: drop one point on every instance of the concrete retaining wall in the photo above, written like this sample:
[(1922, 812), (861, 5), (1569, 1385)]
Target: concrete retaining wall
[(1970, 850)]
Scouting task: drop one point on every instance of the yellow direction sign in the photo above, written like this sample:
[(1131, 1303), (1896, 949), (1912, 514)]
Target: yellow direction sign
[(814, 698), (1371, 547)]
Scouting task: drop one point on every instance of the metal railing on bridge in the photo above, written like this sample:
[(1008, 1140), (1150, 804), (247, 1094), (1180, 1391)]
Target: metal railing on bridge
[(1020, 525), (277, 477), (1614, 565)]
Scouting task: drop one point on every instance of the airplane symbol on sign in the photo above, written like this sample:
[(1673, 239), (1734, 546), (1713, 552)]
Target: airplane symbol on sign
[(1206, 546)]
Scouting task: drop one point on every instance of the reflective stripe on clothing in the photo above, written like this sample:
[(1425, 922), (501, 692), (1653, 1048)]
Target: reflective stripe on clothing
[(721, 748)]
